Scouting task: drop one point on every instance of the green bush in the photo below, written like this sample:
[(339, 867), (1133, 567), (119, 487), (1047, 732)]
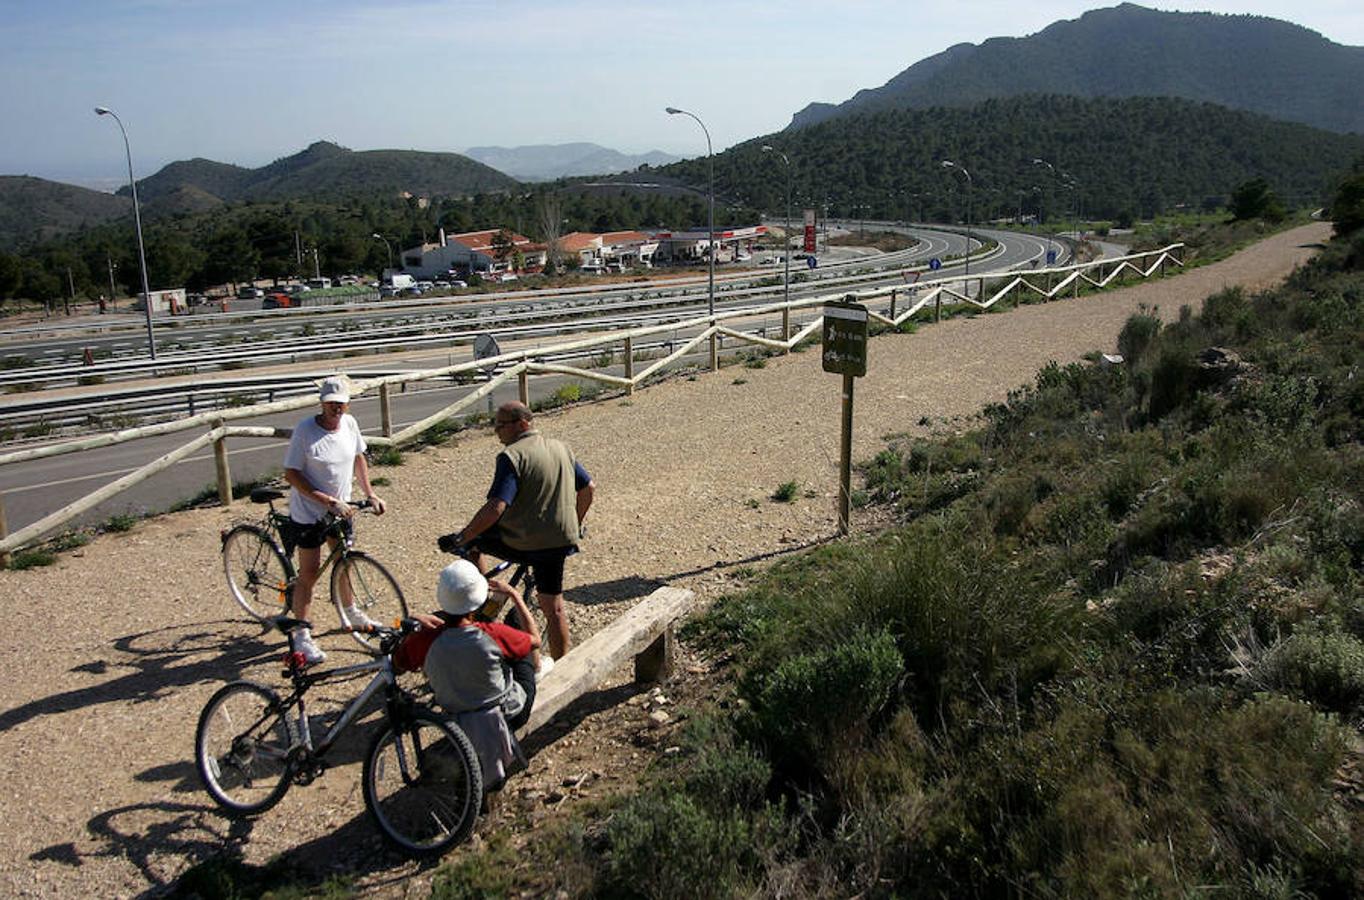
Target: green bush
[(1320, 664), (1138, 334), (387, 455), (120, 522), (817, 702), (70, 540), (786, 492), (32, 559)]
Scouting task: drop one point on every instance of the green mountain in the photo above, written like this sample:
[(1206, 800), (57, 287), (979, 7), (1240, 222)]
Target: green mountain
[(321, 170), (1245, 62), (34, 209), (1135, 156)]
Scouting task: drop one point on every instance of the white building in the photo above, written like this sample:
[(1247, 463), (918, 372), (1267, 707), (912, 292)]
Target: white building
[(474, 251)]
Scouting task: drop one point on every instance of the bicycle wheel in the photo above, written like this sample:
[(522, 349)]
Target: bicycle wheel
[(375, 592), (258, 574), (423, 784), (241, 748)]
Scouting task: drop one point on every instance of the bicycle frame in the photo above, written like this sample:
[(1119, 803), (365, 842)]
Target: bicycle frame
[(383, 679)]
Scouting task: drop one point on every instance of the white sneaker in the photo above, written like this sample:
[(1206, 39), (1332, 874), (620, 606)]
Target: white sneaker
[(546, 666), (356, 618), (303, 643)]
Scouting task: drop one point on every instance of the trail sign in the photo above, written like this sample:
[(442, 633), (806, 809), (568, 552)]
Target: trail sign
[(811, 262), (845, 339), (935, 264), (845, 353), (485, 346)]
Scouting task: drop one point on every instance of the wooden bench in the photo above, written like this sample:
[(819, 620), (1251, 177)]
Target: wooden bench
[(645, 632)]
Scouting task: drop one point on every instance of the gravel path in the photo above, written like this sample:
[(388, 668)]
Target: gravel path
[(110, 654)]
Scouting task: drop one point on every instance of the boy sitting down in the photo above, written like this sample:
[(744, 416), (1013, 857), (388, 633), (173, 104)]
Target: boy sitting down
[(482, 673)]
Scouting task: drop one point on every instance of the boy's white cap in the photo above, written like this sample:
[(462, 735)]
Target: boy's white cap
[(335, 389), (461, 588)]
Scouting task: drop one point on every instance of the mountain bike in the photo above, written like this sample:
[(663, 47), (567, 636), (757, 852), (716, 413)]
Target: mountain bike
[(261, 577), (422, 780)]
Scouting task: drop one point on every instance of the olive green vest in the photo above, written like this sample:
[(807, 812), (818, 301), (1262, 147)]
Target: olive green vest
[(544, 513)]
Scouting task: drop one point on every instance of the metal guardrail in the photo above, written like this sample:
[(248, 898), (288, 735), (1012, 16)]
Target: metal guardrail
[(521, 365)]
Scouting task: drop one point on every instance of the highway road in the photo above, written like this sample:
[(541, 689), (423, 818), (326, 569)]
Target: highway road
[(33, 489)]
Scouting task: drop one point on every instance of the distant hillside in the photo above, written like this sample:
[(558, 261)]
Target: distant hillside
[(546, 162), (1139, 156), (322, 170), (34, 209), (1245, 62)]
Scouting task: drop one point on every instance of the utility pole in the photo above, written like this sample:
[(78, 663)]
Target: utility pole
[(113, 292), (71, 286)]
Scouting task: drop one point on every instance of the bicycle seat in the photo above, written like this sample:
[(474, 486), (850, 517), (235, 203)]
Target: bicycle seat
[(265, 495)]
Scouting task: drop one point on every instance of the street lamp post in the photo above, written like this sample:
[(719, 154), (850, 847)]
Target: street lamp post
[(787, 233), (1068, 181), (710, 159), (387, 246), (948, 164), (137, 221)]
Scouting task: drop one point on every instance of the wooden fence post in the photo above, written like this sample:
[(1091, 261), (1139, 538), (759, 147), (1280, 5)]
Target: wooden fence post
[(4, 533), (786, 326), (630, 364), (385, 410), (523, 386), (892, 303), (714, 349), (937, 307), (220, 464)]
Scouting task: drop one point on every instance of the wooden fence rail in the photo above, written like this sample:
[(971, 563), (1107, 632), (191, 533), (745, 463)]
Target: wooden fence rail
[(521, 364)]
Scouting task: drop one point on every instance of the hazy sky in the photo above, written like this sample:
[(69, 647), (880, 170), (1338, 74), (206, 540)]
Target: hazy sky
[(248, 81)]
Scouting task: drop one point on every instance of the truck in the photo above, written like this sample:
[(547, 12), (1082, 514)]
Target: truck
[(399, 280)]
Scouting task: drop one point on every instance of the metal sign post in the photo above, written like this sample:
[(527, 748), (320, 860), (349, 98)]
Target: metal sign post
[(486, 347), (845, 353)]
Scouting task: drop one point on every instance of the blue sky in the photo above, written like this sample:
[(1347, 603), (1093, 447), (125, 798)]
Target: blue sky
[(246, 81)]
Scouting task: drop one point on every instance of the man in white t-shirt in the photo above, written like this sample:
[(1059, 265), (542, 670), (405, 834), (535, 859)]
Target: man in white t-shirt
[(325, 452)]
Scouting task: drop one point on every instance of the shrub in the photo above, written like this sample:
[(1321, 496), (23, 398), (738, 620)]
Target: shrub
[(70, 540), (386, 455), (1138, 334), (32, 559), (120, 522), (817, 702), (786, 492), (1320, 664)]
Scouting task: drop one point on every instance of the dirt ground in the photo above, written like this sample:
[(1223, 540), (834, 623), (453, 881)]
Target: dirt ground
[(110, 654)]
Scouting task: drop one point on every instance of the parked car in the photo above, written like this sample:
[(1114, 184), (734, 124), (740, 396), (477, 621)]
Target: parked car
[(277, 300), (425, 285), (250, 293), (457, 283), (507, 276), (294, 290)]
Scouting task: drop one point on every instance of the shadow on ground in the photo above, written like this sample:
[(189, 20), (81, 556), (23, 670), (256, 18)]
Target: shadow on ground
[(182, 655)]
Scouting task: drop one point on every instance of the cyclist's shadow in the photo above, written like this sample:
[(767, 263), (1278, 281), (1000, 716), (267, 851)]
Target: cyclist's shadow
[(166, 665)]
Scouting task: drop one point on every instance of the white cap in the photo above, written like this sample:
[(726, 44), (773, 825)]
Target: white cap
[(461, 588), (335, 389)]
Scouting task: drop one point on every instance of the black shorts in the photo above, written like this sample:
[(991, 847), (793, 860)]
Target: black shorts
[(546, 565), (310, 537)]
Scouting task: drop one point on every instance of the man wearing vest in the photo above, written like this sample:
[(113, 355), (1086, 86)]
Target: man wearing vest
[(534, 512)]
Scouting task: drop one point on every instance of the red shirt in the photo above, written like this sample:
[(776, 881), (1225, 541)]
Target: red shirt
[(411, 653)]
